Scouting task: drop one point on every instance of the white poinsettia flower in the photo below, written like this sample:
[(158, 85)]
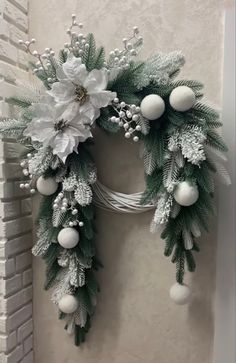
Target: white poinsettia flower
[(60, 127), (76, 84)]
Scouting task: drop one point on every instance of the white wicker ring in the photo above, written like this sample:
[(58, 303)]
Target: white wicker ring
[(110, 200)]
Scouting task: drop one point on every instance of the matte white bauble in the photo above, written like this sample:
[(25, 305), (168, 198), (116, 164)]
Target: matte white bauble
[(182, 98), (180, 294), (46, 186), (152, 107), (186, 194), (68, 304), (68, 237)]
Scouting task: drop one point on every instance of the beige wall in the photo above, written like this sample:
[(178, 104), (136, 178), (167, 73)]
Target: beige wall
[(135, 321)]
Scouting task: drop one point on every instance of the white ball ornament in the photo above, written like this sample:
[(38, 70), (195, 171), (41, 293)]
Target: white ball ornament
[(68, 237), (46, 186), (186, 194), (180, 294), (68, 304), (152, 107), (182, 98)]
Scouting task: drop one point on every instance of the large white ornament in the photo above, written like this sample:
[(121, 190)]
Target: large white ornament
[(180, 294), (182, 98), (152, 107), (68, 237), (46, 186), (186, 194), (68, 304)]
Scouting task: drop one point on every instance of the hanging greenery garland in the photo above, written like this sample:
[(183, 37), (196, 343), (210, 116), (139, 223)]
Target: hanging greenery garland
[(181, 150)]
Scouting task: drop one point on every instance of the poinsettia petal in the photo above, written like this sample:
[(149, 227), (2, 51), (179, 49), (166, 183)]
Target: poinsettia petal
[(42, 110), (96, 80), (69, 112), (63, 145), (61, 76), (74, 70), (102, 98), (39, 130), (63, 92), (88, 110)]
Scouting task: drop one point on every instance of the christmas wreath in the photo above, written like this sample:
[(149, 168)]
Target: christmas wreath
[(181, 150)]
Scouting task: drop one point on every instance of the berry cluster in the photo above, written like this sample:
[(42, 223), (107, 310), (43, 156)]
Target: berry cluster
[(128, 117), (29, 184), (64, 204)]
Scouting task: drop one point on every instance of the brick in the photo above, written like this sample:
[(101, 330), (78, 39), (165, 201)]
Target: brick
[(15, 226), (21, 4), (11, 285), (15, 356), (17, 319), (12, 73), (5, 109), (23, 59), (14, 302), (28, 344), (10, 209), (3, 325), (15, 34), (17, 245), (6, 189), (3, 243), (25, 330), (8, 52), (12, 150), (8, 342), (27, 277), (29, 358), (15, 15), (8, 90), (4, 29), (11, 171), (24, 260), (26, 206), (7, 267)]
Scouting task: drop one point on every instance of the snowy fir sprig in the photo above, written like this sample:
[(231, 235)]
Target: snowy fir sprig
[(180, 146)]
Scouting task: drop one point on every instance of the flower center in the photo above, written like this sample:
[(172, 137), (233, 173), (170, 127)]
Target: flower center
[(81, 94), (60, 125)]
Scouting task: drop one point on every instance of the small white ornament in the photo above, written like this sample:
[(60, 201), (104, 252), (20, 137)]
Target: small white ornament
[(180, 294), (68, 304), (182, 98), (46, 186), (68, 237), (152, 107), (186, 194)]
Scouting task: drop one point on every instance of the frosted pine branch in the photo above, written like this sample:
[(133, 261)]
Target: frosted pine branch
[(170, 173), (190, 140), (162, 212), (83, 193), (159, 68), (44, 239)]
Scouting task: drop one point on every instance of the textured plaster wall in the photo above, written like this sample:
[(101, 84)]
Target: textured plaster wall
[(135, 321)]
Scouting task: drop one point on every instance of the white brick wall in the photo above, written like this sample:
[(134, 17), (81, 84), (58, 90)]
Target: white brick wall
[(16, 324)]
